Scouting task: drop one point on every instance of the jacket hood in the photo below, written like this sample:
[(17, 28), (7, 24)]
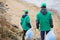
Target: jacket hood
[(24, 16), (43, 11)]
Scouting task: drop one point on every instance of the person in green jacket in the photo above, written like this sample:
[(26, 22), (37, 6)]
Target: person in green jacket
[(25, 23), (44, 21)]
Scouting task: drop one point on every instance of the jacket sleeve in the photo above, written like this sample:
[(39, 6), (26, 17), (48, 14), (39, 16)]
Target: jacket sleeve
[(21, 21), (37, 21), (37, 24), (51, 21), (29, 25), (28, 22)]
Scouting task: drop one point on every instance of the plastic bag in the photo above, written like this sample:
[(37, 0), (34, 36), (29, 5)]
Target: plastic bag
[(50, 36), (29, 34)]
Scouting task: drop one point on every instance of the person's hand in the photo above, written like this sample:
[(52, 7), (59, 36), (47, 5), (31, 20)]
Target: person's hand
[(51, 26)]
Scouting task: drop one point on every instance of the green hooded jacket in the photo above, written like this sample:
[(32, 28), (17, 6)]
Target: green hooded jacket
[(44, 21), (24, 21)]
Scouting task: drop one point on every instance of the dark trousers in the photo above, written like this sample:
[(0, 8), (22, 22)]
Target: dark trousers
[(24, 33), (43, 34)]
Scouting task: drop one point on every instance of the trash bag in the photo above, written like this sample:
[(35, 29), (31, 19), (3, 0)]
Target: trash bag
[(50, 36), (29, 34)]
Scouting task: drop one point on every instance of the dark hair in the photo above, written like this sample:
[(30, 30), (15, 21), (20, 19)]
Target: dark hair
[(26, 12), (43, 7)]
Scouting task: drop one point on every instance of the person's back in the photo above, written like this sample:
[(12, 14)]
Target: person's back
[(44, 20), (24, 20)]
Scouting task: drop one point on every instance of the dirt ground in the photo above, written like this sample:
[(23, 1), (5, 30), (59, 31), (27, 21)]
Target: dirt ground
[(15, 12)]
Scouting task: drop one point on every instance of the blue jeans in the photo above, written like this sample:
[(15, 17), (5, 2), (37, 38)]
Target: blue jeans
[(43, 34)]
